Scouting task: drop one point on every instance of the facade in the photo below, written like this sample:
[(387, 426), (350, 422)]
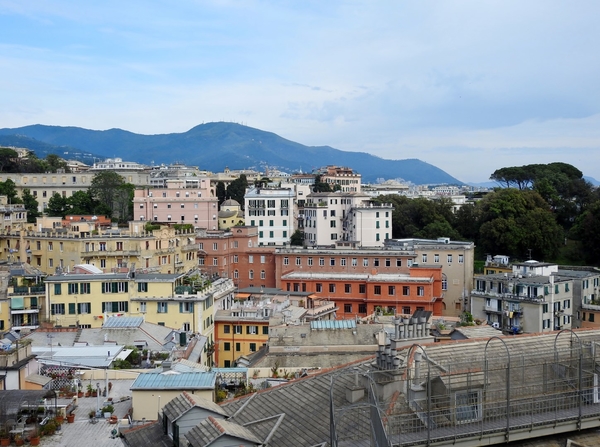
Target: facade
[(53, 247), (456, 259), (272, 211), (43, 186), (332, 217), (185, 201), (13, 216), (534, 298), (230, 215), (341, 178), (586, 302), (236, 254)]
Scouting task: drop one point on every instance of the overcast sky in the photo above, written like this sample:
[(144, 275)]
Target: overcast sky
[(469, 86)]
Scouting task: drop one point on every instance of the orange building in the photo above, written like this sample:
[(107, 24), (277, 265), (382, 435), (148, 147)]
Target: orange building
[(361, 294)]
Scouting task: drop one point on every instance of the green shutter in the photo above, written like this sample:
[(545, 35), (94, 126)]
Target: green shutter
[(545, 290), (114, 287), (180, 308), (57, 289), (103, 307), (126, 287), (126, 306), (71, 308), (33, 302), (139, 287), (115, 306)]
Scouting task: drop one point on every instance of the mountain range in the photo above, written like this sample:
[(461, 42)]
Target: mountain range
[(213, 146)]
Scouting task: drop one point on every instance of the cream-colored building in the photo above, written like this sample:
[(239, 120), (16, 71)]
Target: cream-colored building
[(456, 259), (14, 216), (48, 246), (43, 186)]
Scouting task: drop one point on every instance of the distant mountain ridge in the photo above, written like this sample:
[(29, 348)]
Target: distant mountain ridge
[(213, 146)]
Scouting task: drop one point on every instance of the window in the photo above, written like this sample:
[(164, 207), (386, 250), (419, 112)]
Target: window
[(115, 306), (388, 262), (436, 258), (286, 261), (57, 309), (84, 308), (424, 258), (73, 288), (365, 262), (50, 246), (420, 291), (343, 262), (57, 289), (376, 262), (444, 283), (319, 287), (250, 259), (348, 288), (226, 329), (398, 262), (467, 406), (309, 261), (321, 261), (235, 259), (362, 308), (263, 274), (377, 290), (237, 329), (186, 308), (362, 288), (298, 261), (265, 330), (142, 306), (406, 290), (226, 346), (332, 262), (161, 307), (347, 308), (354, 262), (461, 259), (331, 288), (142, 286), (252, 347), (391, 290), (591, 317), (236, 274), (449, 259), (406, 310), (251, 329), (238, 346)]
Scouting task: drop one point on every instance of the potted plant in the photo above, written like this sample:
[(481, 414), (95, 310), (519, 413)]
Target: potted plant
[(4, 438), (79, 392), (107, 411), (71, 418), (34, 437), (89, 390), (19, 439)]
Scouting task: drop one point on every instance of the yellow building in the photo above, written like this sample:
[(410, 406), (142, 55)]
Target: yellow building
[(51, 247)]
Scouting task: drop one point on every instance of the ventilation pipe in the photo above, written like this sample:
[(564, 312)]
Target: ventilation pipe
[(417, 368)]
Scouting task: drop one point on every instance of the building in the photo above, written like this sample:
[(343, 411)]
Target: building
[(456, 259), (341, 178), (149, 389), (534, 298), (23, 295), (586, 305), (50, 247), (332, 217), (271, 210), (14, 215), (43, 186), (236, 254), (184, 201), (230, 215)]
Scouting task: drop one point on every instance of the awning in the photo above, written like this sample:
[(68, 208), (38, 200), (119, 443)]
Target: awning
[(123, 354)]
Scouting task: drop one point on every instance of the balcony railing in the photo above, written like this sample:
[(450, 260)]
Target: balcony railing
[(24, 290)]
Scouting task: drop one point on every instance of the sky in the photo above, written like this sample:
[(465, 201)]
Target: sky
[(469, 86)]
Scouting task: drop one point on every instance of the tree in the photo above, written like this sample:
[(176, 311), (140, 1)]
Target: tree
[(57, 206), (320, 186), (221, 192), (515, 221), (31, 205), (7, 159), (9, 189), (297, 238), (54, 163), (237, 189), (109, 188)]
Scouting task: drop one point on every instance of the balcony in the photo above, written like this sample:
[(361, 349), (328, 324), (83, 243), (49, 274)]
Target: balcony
[(494, 309), (24, 290)]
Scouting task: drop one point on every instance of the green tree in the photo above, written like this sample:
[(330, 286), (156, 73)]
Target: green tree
[(237, 189), (54, 163), (82, 202), (515, 221), (109, 188), (297, 238), (321, 186), (9, 189), (8, 158), (57, 206), (221, 192), (31, 205)]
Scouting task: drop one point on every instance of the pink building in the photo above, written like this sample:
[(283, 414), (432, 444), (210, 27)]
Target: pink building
[(191, 201)]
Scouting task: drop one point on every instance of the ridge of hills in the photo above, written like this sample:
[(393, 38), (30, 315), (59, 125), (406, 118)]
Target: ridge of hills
[(213, 146)]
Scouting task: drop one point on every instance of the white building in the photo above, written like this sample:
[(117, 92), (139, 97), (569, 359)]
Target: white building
[(272, 211), (332, 217)]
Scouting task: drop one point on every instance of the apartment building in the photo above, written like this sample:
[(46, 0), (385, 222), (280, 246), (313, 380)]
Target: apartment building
[(43, 186), (184, 201), (533, 298), (358, 295), (586, 302), (271, 210), (53, 247), (14, 216), (22, 295), (237, 254), (341, 178), (456, 259), (330, 217)]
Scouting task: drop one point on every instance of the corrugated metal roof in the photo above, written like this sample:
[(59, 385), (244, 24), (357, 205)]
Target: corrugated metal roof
[(128, 322), (333, 324), (175, 380)]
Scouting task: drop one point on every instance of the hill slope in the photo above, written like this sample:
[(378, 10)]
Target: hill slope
[(213, 146)]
